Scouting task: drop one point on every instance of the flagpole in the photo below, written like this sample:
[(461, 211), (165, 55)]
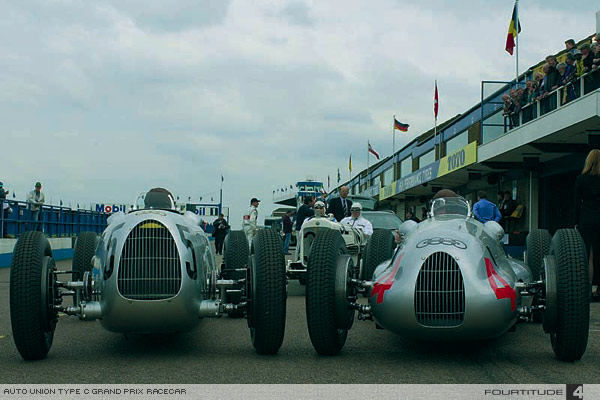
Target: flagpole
[(221, 196), (517, 41), (394, 135), (435, 130), (368, 144)]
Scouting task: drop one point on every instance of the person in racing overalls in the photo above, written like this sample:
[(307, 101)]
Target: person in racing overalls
[(319, 208), (357, 221), (249, 221)]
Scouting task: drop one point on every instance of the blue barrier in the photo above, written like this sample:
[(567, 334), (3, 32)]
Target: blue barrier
[(54, 221)]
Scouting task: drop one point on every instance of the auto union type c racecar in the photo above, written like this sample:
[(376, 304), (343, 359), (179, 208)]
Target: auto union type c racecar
[(451, 279), (355, 245), (152, 270)]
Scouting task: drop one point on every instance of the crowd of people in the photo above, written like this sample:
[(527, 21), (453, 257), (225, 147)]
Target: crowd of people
[(555, 75)]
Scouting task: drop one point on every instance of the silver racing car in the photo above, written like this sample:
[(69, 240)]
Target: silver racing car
[(152, 270), (451, 279)]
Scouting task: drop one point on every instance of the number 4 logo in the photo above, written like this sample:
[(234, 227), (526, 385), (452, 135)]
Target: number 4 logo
[(574, 392)]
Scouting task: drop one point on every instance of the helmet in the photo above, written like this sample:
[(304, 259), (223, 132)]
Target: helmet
[(356, 207)]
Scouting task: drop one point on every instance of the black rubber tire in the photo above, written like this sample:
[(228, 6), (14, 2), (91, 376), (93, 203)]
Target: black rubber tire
[(236, 257), (85, 248), (573, 287), (380, 247), (268, 298), (326, 338), (538, 246), (236, 252), (32, 325)]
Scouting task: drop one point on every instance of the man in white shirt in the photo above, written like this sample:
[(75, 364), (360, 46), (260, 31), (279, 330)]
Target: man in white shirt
[(357, 221), (250, 220), (36, 200)]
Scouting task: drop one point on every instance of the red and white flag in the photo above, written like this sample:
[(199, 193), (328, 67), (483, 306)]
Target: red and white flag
[(372, 151), (435, 102)]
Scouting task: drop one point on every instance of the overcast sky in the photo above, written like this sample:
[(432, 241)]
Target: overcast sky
[(102, 100)]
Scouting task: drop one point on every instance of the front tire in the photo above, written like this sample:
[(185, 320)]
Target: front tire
[(85, 248), (538, 246), (569, 341), (327, 335), (267, 292), (235, 258), (380, 247), (32, 296)]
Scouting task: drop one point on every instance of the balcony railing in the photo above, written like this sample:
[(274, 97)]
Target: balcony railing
[(499, 124), (54, 221)]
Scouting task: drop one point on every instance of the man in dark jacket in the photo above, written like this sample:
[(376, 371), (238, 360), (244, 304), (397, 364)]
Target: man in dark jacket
[(304, 212), (340, 206), (221, 229), (287, 223)]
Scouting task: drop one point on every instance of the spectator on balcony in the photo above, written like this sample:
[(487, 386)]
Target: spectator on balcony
[(570, 45), (595, 48), (587, 58), (532, 90), (5, 209), (569, 78), (552, 76), (36, 200), (543, 79), (508, 109), (515, 97)]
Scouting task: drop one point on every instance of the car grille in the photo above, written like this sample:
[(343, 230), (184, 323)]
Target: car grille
[(149, 268), (440, 292)]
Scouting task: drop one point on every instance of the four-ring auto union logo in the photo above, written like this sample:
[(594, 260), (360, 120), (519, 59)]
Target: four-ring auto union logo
[(434, 241)]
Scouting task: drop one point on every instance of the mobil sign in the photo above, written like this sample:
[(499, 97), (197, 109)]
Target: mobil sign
[(109, 209)]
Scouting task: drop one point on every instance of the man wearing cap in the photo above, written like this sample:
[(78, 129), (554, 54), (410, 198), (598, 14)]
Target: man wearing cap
[(250, 219), (36, 200), (5, 209), (357, 221)]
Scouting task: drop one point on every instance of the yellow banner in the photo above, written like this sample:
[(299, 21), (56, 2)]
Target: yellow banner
[(459, 159), (387, 191)]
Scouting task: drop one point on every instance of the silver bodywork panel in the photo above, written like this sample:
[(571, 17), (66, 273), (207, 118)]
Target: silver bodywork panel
[(150, 271), (450, 279)]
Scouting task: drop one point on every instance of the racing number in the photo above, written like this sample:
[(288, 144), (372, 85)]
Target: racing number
[(456, 160), (574, 392)]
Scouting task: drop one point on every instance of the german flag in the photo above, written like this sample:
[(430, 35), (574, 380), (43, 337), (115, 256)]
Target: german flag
[(400, 126), (512, 31)]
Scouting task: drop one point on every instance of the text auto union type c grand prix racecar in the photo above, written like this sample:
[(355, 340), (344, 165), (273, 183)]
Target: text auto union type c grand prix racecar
[(152, 270), (451, 279)]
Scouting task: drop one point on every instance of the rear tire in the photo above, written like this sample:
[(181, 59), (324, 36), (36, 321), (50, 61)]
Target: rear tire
[(267, 292), (569, 342), (85, 249), (235, 257), (380, 247), (538, 246), (325, 336), (32, 296)]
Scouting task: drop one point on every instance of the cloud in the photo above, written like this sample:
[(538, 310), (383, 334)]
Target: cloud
[(101, 101)]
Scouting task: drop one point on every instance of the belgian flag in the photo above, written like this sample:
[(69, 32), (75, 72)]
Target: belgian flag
[(514, 28)]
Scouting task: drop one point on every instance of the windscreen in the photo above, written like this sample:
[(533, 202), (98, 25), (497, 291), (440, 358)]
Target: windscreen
[(450, 206), (382, 220)]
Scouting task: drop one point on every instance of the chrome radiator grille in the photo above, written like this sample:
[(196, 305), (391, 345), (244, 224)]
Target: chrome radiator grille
[(440, 292), (149, 268)]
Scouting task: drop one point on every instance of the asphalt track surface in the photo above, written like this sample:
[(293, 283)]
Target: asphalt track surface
[(220, 351)]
